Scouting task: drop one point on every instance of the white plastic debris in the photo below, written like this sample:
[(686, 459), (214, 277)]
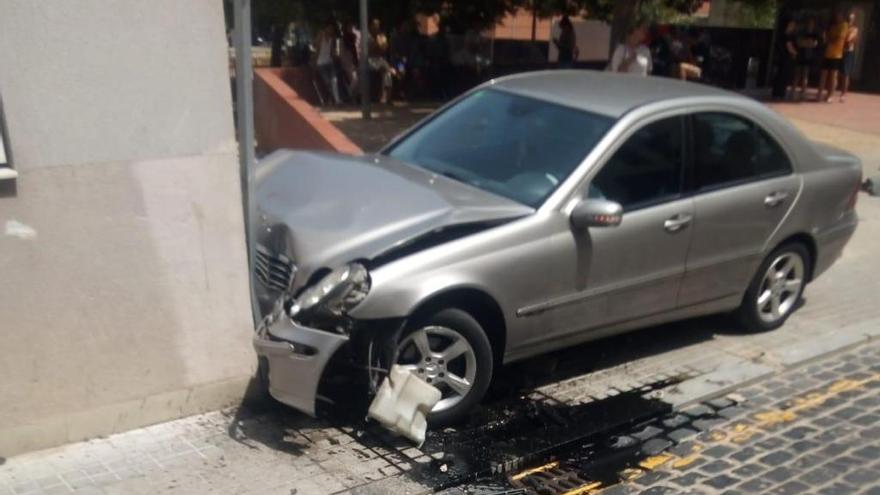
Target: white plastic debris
[(403, 403)]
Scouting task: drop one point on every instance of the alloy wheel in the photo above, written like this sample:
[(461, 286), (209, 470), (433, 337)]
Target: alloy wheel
[(442, 357), (781, 287)]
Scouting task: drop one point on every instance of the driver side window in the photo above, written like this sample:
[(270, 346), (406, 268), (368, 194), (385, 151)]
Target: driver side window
[(646, 169)]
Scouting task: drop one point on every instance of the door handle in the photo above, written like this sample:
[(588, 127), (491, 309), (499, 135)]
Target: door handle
[(677, 222), (775, 199)]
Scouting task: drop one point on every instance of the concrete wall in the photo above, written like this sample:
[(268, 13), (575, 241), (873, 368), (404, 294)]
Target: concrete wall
[(285, 118), (122, 255)]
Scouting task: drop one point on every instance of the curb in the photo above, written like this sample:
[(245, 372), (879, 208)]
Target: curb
[(735, 373)]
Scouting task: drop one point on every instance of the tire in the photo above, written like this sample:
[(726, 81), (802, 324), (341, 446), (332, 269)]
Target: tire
[(790, 263), (447, 332)]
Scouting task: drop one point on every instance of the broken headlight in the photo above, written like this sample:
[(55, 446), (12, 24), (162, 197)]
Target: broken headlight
[(335, 294)]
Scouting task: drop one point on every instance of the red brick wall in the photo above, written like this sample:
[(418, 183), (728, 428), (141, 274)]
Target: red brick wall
[(284, 118)]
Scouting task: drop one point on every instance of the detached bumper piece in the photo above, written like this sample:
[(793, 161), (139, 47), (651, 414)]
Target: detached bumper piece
[(402, 404), (296, 356)]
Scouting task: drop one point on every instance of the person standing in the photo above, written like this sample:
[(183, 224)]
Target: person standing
[(787, 58), (832, 64), (566, 43), (849, 55), (632, 56), (377, 59), (661, 55), (349, 57), (328, 53), (807, 44), (684, 65), (277, 45)]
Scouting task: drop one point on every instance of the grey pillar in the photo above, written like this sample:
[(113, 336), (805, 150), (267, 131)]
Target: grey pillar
[(244, 111), (364, 67)]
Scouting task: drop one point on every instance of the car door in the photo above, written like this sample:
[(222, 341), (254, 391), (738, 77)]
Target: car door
[(743, 187), (634, 269)]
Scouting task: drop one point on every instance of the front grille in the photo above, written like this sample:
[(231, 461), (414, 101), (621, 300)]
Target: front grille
[(274, 271)]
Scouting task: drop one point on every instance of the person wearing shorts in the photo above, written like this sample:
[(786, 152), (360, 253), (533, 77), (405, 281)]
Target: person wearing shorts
[(849, 55), (832, 64), (807, 42)]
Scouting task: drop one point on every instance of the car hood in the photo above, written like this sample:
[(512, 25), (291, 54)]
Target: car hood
[(325, 209)]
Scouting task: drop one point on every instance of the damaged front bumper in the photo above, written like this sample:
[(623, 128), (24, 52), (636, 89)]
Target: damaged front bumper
[(296, 357)]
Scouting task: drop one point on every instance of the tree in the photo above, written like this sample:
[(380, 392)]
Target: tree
[(462, 15)]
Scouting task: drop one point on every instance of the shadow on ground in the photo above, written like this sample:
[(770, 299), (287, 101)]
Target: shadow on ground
[(514, 423)]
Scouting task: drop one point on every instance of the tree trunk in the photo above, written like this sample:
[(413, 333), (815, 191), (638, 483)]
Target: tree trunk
[(622, 18), (534, 19)]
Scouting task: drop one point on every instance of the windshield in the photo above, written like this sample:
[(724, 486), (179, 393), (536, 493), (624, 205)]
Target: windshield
[(514, 146)]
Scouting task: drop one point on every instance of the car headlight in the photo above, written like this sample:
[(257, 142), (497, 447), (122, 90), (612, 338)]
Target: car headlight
[(338, 292)]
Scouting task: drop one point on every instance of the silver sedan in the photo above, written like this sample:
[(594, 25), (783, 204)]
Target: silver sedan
[(537, 212)]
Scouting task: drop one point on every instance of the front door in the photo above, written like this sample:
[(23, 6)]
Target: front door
[(632, 270), (744, 187)]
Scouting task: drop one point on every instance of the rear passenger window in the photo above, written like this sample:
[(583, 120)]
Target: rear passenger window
[(729, 149), (646, 169)]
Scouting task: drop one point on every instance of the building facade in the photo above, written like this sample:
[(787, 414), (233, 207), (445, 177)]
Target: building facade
[(122, 256)]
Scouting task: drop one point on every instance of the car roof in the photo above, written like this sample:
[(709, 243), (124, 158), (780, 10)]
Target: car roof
[(601, 92)]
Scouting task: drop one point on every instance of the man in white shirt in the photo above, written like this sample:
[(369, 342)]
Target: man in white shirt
[(632, 56)]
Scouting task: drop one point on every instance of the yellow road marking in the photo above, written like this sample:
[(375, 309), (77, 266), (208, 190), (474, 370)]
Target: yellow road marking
[(539, 469), (630, 473), (655, 461), (588, 488), (683, 462)]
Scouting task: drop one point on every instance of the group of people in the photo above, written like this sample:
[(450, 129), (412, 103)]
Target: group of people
[(338, 55), (405, 63), (805, 46), (669, 53)]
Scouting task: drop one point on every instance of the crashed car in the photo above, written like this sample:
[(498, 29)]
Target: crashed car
[(536, 212)]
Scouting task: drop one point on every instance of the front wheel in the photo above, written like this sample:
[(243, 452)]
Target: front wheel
[(776, 290), (450, 351)]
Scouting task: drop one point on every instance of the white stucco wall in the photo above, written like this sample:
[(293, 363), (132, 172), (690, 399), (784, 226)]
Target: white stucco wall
[(122, 253)]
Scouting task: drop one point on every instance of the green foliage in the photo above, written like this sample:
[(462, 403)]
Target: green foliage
[(461, 15)]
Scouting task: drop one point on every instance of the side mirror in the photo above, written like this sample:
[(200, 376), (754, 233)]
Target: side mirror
[(596, 213)]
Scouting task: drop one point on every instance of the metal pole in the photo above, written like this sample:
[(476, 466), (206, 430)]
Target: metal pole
[(244, 109), (364, 68)]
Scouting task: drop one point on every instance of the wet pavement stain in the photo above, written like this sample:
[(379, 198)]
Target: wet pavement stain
[(510, 435), (615, 454)]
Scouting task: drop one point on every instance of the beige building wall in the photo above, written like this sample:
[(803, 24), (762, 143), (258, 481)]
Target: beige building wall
[(122, 255)]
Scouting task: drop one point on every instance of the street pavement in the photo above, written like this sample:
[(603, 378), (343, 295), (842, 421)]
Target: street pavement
[(810, 385), (811, 429)]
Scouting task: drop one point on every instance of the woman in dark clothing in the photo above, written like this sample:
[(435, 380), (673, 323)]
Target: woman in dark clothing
[(566, 43), (807, 49), (787, 56)]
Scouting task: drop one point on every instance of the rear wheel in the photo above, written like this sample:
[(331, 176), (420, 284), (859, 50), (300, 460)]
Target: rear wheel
[(449, 350), (776, 290)]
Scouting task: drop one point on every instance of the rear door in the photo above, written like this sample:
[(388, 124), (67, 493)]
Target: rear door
[(743, 186)]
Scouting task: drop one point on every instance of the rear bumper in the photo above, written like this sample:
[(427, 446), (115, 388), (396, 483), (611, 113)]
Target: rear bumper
[(830, 242), (296, 357)]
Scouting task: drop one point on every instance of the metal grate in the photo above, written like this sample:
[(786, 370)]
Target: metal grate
[(274, 271)]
